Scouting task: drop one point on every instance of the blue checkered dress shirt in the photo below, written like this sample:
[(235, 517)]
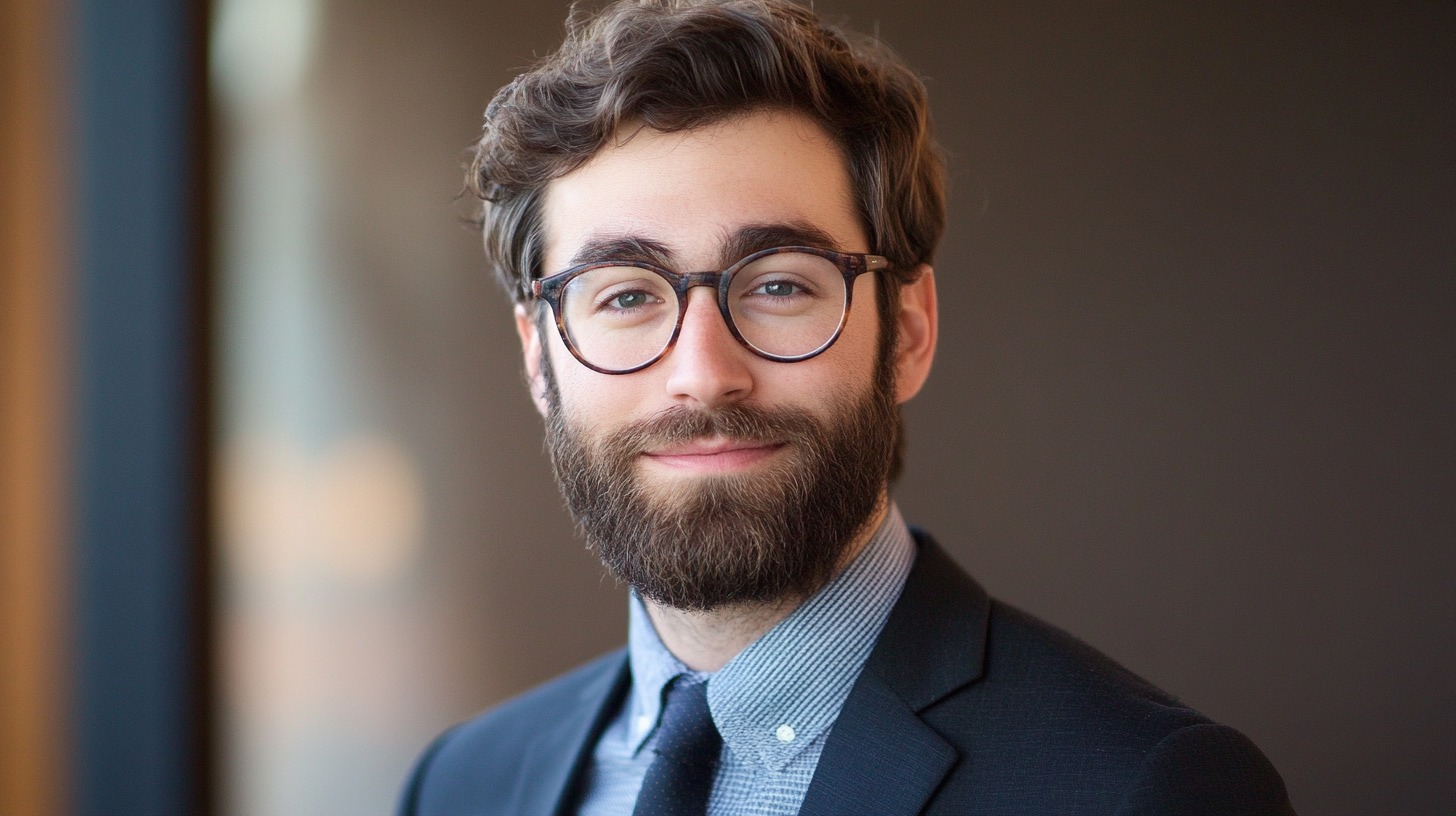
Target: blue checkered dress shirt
[(774, 703)]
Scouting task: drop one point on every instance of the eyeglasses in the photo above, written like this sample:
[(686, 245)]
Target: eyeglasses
[(784, 304)]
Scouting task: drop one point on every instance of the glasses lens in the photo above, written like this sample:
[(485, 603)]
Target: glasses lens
[(787, 304), (619, 317)]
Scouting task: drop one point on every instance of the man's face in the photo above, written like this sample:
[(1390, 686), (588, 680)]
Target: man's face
[(715, 476)]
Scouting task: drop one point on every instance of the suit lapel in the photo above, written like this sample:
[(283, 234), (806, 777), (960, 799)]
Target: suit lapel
[(881, 758), (555, 758)]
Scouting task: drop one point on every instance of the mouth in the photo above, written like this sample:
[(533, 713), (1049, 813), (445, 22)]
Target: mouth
[(713, 455)]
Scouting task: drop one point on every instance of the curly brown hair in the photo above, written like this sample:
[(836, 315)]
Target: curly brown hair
[(676, 65)]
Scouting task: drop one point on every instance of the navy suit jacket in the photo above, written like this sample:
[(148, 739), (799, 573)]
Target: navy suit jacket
[(966, 706)]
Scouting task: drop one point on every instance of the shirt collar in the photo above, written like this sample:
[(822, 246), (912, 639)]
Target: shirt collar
[(786, 689)]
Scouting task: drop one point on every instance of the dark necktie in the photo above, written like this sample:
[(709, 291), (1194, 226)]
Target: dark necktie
[(681, 777)]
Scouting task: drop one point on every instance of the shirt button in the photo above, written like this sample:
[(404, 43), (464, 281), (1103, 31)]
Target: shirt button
[(642, 722), (785, 733)]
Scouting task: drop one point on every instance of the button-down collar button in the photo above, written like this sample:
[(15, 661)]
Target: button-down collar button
[(785, 733)]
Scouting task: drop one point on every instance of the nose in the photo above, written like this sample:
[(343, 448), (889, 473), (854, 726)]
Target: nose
[(707, 366)]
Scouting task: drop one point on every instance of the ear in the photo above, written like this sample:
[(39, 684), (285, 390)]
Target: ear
[(915, 348), (530, 336)]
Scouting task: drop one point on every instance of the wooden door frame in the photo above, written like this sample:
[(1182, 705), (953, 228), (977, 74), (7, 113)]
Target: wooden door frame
[(33, 284)]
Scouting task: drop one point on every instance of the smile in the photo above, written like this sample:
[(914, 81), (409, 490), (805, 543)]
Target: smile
[(713, 455)]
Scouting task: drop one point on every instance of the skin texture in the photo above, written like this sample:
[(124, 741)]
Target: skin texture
[(691, 192)]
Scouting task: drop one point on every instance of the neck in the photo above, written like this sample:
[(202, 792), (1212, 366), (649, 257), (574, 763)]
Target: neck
[(706, 641)]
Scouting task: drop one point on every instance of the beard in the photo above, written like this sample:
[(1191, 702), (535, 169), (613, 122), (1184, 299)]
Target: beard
[(704, 542)]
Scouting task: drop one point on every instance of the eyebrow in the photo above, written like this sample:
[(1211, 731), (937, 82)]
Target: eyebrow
[(739, 244), (755, 237), (621, 248)]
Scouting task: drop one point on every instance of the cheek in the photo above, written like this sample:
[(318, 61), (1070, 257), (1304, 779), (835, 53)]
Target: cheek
[(589, 398)]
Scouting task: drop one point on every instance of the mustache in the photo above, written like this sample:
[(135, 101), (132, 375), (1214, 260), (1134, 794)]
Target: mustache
[(737, 422)]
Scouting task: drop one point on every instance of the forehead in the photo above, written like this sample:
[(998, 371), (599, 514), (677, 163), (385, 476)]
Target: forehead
[(691, 191)]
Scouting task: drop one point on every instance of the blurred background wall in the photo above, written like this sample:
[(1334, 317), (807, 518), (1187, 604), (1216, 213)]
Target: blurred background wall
[(1193, 400)]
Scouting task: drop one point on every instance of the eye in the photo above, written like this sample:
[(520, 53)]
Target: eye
[(779, 288), (628, 300)]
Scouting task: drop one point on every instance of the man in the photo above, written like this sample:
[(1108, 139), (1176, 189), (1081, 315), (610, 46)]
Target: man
[(717, 221)]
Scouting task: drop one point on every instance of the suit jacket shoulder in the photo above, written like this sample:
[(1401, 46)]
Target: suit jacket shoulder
[(1071, 731), (521, 756), (990, 710)]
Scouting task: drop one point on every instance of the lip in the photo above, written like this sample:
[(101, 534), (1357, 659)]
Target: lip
[(713, 455)]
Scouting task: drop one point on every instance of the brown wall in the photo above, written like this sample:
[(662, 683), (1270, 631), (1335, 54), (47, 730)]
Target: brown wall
[(1194, 391), (1194, 399), (31, 453)]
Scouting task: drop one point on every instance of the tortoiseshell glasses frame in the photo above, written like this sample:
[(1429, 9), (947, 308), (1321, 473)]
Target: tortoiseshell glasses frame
[(850, 264)]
